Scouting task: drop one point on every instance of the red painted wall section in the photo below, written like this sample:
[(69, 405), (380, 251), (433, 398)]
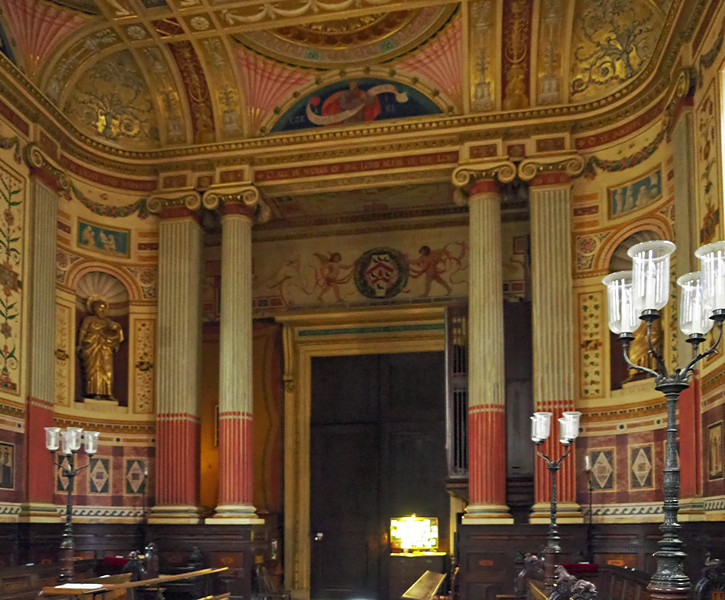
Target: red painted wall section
[(690, 441), (38, 463)]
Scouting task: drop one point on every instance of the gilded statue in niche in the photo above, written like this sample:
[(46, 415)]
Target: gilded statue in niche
[(98, 339)]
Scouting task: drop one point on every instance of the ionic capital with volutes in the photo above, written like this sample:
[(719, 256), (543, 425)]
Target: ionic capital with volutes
[(45, 169), (480, 177), (551, 169), (187, 204), (239, 199)]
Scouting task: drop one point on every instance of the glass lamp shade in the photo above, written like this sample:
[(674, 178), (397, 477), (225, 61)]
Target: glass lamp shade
[(540, 426), (91, 442), (569, 430), (65, 442), (712, 269), (650, 274), (622, 316), (75, 438), (52, 438), (694, 314)]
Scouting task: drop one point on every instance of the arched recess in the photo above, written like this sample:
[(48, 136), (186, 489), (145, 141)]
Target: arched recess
[(308, 335), (139, 331)]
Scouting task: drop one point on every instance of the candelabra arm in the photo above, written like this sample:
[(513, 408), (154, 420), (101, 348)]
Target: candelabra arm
[(542, 455), (657, 356), (699, 356), (625, 353)]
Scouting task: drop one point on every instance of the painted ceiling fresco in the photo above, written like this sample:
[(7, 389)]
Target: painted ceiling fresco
[(146, 74)]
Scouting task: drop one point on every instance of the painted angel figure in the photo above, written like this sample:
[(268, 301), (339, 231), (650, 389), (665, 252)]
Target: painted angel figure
[(332, 274)]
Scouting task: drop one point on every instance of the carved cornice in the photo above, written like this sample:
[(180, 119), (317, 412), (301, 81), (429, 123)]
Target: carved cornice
[(571, 165), (247, 195), (500, 169), (190, 200)]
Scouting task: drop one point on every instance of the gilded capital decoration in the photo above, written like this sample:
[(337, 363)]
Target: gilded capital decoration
[(190, 200), (501, 169), (246, 195), (571, 165), (35, 158)]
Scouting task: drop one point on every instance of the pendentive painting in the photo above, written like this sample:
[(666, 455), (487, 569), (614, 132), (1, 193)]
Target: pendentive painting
[(356, 101)]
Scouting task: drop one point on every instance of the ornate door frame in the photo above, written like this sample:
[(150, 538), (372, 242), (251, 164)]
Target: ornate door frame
[(307, 335)]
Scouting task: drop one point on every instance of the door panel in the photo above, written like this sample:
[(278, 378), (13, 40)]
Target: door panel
[(376, 452)]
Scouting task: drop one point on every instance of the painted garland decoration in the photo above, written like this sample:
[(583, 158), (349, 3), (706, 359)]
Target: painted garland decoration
[(381, 273)]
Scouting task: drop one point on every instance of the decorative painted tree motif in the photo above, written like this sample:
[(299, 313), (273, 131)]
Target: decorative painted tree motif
[(617, 43), (10, 284)]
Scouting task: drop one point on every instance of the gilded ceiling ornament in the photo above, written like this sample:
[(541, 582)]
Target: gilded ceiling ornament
[(114, 102), (516, 42), (616, 43)]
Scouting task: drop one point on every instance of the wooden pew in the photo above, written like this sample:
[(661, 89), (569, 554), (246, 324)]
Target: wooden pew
[(25, 582), (106, 591)]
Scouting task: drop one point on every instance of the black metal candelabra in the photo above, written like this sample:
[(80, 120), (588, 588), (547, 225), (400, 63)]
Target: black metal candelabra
[(669, 581), (552, 548), (71, 444), (67, 545)]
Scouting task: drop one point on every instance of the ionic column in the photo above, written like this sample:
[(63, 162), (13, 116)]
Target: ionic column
[(553, 320), (178, 376), (43, 207), (486, 375), (237, 208)]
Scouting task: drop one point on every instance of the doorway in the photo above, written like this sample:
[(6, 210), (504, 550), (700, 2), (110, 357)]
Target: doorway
[(377, 451)]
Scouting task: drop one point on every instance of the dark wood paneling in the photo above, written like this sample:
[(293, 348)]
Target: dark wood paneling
[(233, 546), (486, 553)]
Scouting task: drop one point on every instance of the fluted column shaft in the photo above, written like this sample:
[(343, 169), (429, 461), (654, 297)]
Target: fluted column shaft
[(41, 347), (235, 396), (179, 366), (553, 328), (486, 376)]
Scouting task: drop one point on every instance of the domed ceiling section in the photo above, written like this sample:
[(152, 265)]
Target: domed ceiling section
[(148, 74)]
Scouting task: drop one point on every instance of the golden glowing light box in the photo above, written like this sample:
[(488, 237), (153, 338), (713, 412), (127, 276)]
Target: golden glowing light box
[(414, 534)]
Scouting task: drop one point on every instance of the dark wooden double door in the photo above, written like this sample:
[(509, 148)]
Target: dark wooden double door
[(377, 451)]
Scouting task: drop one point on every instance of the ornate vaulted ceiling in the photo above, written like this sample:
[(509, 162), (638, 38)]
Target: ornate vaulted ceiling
[(144, 75)]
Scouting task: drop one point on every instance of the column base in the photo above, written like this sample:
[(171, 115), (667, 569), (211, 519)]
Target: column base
[(487, 514), (566, 513), (176, 515), (38, 512), (234, 514)]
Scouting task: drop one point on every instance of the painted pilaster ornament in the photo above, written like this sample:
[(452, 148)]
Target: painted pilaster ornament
[(247, 195), (571, 165), (683, 90), (37, 160), (190, 200)]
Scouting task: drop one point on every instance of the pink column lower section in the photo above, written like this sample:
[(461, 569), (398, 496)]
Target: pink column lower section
[(39, 488), (177, 452), (235, 458), (487, 444)]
